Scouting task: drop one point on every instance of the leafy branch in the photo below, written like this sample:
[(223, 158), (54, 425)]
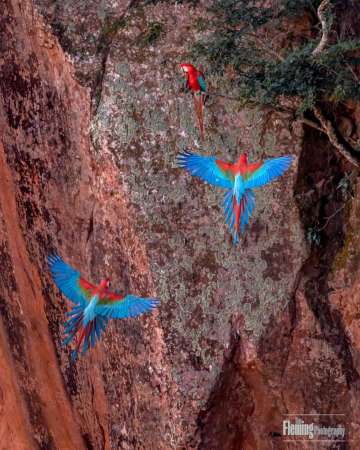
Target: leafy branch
[(271, 63)]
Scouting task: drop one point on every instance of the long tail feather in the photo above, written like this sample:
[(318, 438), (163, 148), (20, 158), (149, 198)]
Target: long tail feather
[(201, 117), (199, 107), (72, 327), (237, 215), (74, 311), (196, 110), (85, 336), (80, 340)]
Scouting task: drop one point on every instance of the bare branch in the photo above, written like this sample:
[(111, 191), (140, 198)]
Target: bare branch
[(356, 78), (265, 47), (329, 129), (311, 124), (330, 217), (325, 26)]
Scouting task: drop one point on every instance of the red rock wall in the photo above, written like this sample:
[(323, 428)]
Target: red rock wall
[(242, 336), (49, 189)]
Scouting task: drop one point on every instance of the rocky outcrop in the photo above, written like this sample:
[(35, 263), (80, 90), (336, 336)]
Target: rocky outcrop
[(244, 336), (307, 359)]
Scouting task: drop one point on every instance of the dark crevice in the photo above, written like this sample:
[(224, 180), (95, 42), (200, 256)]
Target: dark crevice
[(90, 226), (101, 428), (318, 197), (87, 441), (42, 435), (287, 334), (109, 30), (227, 417), (224, 418)]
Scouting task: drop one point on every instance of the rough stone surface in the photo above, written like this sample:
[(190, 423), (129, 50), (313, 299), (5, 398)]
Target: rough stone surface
[(203, 281), (90, 133), (55, 197)]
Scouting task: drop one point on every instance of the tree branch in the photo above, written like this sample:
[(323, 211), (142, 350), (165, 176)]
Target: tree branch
[(329, 129), (326, 126), (356, 78), (265, 47), (311, 124), (330, 217), (325, 26)]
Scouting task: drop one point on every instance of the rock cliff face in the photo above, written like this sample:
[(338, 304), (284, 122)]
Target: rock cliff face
[(92, 119)]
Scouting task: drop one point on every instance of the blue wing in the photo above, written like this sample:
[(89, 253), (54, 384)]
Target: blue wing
[(129, 306), (68, 280), (271, 169), (202, 83), (204, 167)]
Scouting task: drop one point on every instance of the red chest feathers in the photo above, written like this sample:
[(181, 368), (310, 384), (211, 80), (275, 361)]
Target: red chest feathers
[(193, 83)]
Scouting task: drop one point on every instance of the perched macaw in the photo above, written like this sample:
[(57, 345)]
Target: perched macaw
[(195, 82), (94, 305), (238, 179)]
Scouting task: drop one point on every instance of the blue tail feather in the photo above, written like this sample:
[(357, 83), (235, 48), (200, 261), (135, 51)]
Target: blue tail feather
[(85, 345), (74, 311), (248, 200), (74, 325), (67, 340)]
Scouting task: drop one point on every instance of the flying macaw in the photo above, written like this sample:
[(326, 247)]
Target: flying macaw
[(94, 305), (238, 179), (195, 82)]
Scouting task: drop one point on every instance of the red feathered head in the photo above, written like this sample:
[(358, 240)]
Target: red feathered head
[(187, 68), (243, 158), (105, 283)]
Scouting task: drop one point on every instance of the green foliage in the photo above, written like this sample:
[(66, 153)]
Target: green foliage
[(152, 34), (245, 36), (251, 13), (109, 29), (111, 26)]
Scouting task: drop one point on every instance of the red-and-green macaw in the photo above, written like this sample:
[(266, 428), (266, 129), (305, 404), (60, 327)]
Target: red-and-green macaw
[(195, 82), (238, 179), (94, 305)]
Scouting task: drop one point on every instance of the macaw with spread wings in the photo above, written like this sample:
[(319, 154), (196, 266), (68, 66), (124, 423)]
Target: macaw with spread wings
[(195, 82), (239, 179), (94, 305)]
